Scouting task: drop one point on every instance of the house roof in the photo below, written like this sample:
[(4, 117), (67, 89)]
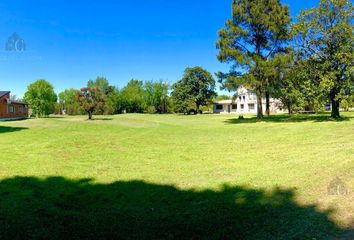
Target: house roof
[(3, 93)]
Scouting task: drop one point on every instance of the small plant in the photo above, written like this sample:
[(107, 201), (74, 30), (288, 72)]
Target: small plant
[(241, 117)]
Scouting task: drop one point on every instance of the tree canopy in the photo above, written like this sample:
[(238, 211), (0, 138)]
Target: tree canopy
[(325, 36), (90, 98), (41, 97), (197, 86)]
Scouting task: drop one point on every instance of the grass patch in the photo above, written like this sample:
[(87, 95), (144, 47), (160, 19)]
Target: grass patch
[(176, 177)]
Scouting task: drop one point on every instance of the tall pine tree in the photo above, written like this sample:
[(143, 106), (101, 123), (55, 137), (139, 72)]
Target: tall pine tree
[(257, 31)]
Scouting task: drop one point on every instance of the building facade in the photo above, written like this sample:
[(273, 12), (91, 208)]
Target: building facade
[(245, 101), (11, 110)]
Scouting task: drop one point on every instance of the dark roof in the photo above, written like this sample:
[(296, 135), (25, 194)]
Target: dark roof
[(2, 93), (18, 102)]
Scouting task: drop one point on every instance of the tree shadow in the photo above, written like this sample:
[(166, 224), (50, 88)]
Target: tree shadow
[(290, 118), (100, 119), (6, 129), (59, 208)]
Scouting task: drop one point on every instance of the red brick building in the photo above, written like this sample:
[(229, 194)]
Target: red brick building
[(11, 109)]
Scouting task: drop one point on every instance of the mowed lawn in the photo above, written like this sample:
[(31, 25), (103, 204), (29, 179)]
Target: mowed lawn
[(177, 177)]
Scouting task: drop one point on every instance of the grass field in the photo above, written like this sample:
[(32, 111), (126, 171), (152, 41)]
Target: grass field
[(176, 177)]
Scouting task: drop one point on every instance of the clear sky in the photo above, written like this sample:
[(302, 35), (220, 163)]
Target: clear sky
[(71, 42)]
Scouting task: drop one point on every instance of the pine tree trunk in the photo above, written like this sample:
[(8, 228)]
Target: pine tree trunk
[(335, 105), (259, 104), (267, 103)]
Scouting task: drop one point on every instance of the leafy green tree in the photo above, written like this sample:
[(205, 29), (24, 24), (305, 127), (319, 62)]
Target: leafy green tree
[(109, 92), (286, 85), (41, 98), (100, 83), (90, 99), (181, 100), (157, 96), (132, 97), (325, 36), (223, 97), (112, 102), (68, 102), (257, 31), (197, 86)]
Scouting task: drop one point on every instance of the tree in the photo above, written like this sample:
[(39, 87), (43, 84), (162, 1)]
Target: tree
[(100, 83), (132, 97), (109, 92), (197, 86), (157, 95), (90, 98), (112, 102), (287, 82), (68, 102), (325, 36), (41, 98), (223, 97), (256, 32)]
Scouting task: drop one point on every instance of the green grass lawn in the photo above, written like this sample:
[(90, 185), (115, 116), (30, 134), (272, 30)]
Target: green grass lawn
[(176, 177)]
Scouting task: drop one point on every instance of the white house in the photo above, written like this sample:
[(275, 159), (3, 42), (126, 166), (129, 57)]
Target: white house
[(245, 101)]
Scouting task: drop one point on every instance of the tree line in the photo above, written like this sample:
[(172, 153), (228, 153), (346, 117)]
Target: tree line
[(305, 63), (194, 90)]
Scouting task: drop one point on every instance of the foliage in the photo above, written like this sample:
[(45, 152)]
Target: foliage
[(256, 32), (68, 102), (100, 83), (109, 93), (41, 98), (156, 96), (112, 101), (132, 97), (90, 98), (223, 97), (325, 35), (197, 86)]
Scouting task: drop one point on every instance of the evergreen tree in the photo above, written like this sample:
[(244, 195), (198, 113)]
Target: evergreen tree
[(256, 32)]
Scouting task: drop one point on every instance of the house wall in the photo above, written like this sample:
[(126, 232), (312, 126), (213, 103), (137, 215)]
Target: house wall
[(246, 102), (6, 114), (225, 108), (246, 108)]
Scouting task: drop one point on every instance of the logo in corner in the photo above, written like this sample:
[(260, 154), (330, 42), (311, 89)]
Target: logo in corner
[(337, 188), (15, 43)]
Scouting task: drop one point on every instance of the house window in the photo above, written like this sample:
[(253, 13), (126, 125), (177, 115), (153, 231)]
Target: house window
[(219, 107), (244, 98), (234, 106), (242, 106), (240, 98), (20, 109), (251, 107), (11, 109)]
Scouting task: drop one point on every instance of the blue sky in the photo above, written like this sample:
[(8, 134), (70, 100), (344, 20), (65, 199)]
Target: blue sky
[(71, 42)]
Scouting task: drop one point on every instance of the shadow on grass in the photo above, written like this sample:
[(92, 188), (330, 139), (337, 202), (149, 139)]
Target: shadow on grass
[(100, 119), (291, 118), (58, 208), (6, 129)]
